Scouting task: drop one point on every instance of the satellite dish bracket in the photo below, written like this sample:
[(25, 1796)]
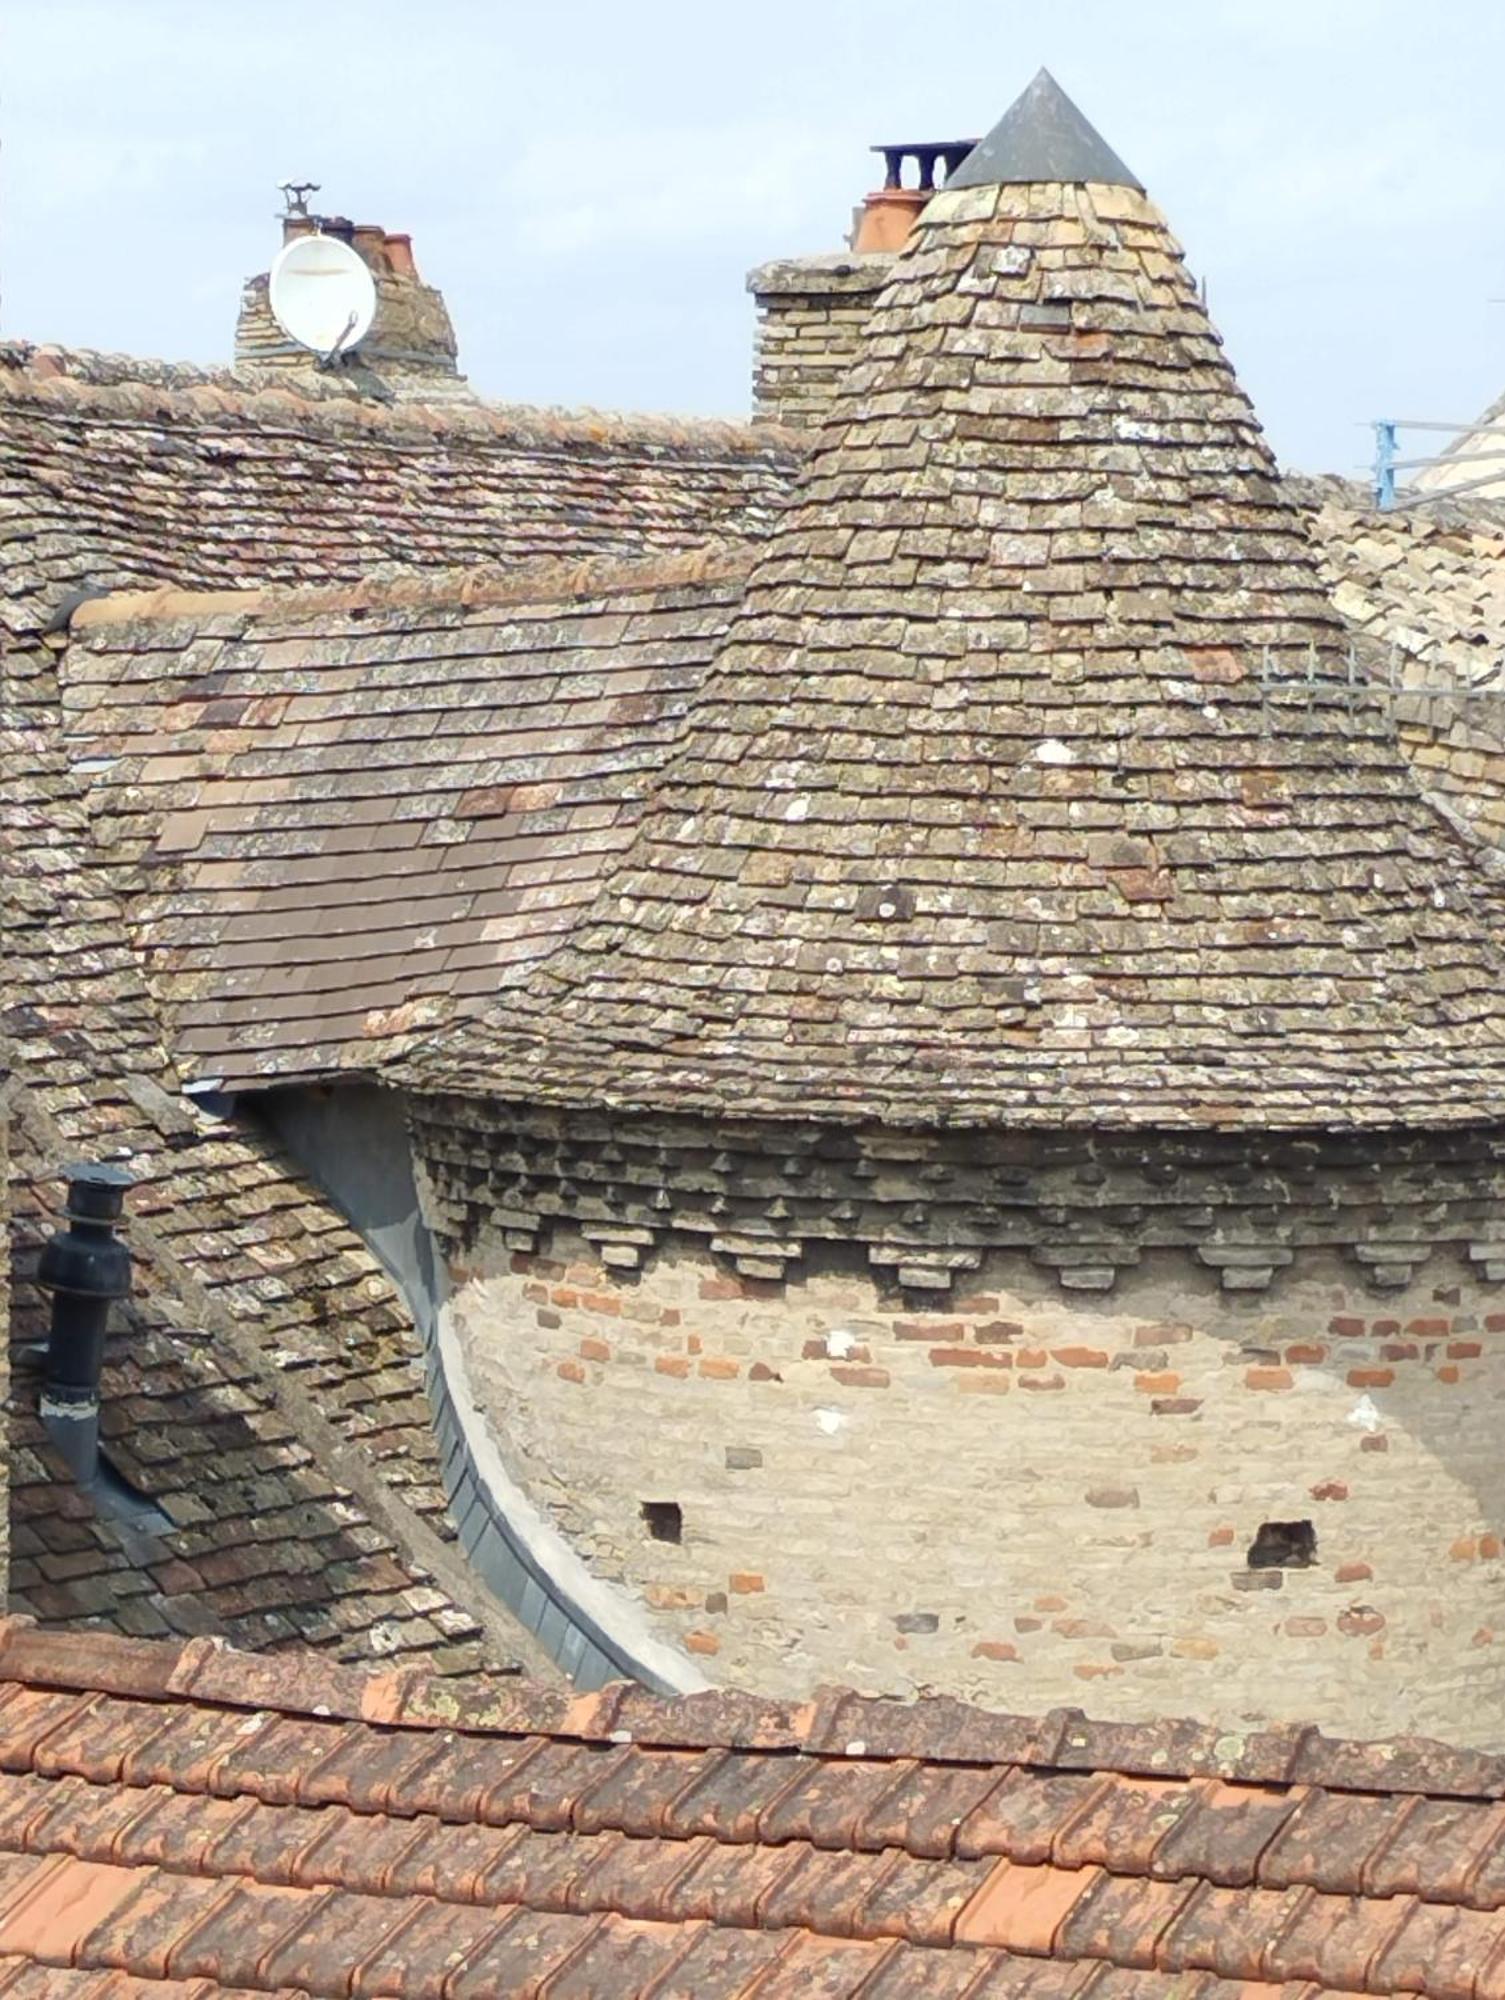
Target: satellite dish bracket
[(339, 352)]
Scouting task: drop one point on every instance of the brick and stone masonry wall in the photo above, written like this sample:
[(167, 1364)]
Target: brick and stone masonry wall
[(1017, 1491), (811, 312)]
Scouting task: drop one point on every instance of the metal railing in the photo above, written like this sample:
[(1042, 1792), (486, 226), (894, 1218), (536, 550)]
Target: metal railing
[(1370, 668), (1388, 462)]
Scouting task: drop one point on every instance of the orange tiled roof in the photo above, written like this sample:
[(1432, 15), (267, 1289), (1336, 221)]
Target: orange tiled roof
[(285, 1826)]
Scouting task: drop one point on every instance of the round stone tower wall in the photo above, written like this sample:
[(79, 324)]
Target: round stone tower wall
[(1192, 1481)]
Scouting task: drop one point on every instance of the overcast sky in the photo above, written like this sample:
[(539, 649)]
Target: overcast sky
[(589, 182)]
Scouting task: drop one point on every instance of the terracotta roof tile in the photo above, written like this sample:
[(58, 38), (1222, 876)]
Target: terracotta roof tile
[(729, 1799), (730, 1884), (436, 1941), (1022, 1907), (1223, 1832), (823, 1968), (362, 1851), (1437, 1950), (925, 1807), (831, 1804), (718, 1960), (1228, 1931), (929, 1975), (147, 1924), (1123, 1824), (1331, 1840), (1023, 1816), (524, 1948), (917, 1899), (233, 1848)]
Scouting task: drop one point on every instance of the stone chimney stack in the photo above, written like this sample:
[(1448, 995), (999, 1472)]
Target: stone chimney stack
[(811, 310), (410, 354)]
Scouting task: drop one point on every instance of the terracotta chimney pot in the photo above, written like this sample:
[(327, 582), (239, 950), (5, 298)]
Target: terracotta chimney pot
[(369, 241), (400, 257), (887, 217)]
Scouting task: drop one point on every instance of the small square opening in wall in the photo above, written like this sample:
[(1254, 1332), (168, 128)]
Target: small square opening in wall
[(1283, 1545), (663, 1520)]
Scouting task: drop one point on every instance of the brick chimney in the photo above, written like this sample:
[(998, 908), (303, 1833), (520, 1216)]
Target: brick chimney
[(811, 310), (408, 356)]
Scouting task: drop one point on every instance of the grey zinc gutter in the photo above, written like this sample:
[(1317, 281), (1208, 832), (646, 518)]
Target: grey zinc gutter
[(354, 1144), (581, 1622)]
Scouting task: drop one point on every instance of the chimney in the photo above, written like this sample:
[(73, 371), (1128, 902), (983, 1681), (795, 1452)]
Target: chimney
[(886, 217), (811, 310), (409, 355), (85, 1267)]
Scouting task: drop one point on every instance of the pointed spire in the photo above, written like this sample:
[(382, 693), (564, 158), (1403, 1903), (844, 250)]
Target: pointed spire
[(1042, 137)]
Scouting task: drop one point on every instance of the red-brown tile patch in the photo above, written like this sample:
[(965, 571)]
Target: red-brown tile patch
[(187, 1823)]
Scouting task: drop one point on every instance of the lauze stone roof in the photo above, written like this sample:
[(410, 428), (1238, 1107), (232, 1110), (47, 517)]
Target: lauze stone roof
[(302, 909), (266, 1391), (1007, 796), (121, 477), (187, 1823), (339, 818)]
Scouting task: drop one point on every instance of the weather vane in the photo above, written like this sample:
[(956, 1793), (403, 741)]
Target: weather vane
[(295, 194)]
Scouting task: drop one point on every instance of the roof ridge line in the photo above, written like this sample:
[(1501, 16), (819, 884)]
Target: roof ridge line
[(549, 580), (934, 1729), (30, 372)]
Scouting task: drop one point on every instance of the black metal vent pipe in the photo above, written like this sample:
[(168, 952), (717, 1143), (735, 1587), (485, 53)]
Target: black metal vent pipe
[(86, 1268)]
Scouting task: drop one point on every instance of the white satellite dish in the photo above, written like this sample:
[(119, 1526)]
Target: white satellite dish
[(321, 294)]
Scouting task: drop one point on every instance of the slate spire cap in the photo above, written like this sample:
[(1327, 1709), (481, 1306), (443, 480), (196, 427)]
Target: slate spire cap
[(1042, 137)]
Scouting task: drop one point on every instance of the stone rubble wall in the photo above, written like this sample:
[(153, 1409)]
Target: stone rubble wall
[(1022, 1489), (410, 354)]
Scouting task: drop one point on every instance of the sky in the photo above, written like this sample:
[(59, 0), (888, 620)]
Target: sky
[(590, 183)]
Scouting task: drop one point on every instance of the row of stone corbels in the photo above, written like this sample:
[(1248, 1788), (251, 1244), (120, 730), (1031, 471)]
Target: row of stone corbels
[(491, 1181)]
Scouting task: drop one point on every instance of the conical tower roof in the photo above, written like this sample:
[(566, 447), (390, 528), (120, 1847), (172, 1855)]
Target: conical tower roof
[(1010, 797), (1042, 137)]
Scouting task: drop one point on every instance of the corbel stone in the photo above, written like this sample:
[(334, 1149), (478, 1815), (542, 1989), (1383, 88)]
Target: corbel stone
[(1086, 1267), (621, 1246), (1245, 1267), (1390, 1266), (1489, 1255), (757, 1256), (923, 1270)]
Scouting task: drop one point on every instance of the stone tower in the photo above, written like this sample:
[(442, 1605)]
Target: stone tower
[(1003, 1192)]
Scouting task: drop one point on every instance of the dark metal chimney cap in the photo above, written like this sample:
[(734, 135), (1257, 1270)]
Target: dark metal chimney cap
[(96, 1193), (1042, 137)]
